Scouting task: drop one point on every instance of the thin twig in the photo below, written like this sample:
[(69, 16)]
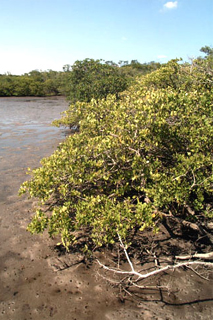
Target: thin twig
[(197, 273)]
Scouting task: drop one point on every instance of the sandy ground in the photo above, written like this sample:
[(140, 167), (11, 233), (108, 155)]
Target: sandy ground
[(39, 282)]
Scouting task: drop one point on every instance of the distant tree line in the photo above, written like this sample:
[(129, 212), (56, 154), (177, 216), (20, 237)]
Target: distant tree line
[(79, 82), (34, 83)]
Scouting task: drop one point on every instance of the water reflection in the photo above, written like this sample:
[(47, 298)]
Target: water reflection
[(26, 122), (26, 134)]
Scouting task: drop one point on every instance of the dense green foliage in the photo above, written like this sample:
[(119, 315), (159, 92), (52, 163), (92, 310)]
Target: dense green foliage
[(83, 81), (147, 154), (94, 79), (135, 68), (34, 83)]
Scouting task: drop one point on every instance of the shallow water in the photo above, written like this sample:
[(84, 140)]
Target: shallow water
[(26, 121), (25, 124), (31, 110), (26, 135)]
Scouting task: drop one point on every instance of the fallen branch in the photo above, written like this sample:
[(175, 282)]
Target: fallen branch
[(141, 276), (203, 256), (155, 272)]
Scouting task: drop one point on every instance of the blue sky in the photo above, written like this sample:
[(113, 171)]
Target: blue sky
[(47, 34)]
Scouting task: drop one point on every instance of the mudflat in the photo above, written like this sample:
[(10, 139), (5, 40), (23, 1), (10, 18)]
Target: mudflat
[(39, 281)]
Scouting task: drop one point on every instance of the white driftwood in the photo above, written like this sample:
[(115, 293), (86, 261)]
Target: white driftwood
[(141, 276), (155, 272), (202, 256)]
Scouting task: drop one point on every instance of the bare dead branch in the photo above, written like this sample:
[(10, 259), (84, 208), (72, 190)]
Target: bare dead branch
[(203, 256), (140, 276), (155, 272)]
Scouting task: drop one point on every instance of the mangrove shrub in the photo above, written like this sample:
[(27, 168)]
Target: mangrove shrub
[(133, 160)]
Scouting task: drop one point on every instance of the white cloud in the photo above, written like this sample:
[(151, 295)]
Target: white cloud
[(171, 5)]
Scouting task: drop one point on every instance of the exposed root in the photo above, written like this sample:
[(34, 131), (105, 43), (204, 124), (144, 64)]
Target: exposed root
[(133, 277), (202, 256)]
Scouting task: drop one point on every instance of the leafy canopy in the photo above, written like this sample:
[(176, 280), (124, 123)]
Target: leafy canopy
[(147, 154), (93, 79)]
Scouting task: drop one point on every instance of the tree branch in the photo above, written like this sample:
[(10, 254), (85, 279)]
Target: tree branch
[(155, 272), (203, 256)]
